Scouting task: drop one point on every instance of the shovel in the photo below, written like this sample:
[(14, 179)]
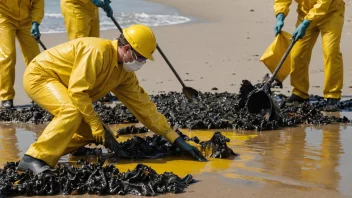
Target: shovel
[(188, 91), (260, 101), (111, 143)]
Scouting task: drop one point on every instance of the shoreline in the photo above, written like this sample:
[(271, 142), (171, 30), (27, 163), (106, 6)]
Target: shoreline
[(219, 51)]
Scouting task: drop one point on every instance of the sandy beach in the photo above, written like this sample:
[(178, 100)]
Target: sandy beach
[(218, 50)]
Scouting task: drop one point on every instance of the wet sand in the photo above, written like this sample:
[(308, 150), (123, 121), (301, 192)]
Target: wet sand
[(229, 39), (303, 161), (219, 50)]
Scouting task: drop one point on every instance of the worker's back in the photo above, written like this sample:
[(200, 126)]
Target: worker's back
[(89, 59)]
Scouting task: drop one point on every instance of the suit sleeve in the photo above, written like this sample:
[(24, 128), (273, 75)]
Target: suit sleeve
[(139, 103), (37, 11), (87, 65), (282, 6)]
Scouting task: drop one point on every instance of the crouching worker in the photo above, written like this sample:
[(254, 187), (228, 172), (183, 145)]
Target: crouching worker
[(66, 79)]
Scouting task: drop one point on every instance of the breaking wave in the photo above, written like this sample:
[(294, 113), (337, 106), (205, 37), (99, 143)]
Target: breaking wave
[(54, 23)]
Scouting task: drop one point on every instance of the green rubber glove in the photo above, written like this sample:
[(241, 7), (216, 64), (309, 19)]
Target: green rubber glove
[(35, 30), (105, 4), (279, 23), (196, 154), (301, 30), (98, 3)]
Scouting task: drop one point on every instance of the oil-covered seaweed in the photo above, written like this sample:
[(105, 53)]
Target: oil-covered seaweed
[(90, 178), (217, 145), (132, 130), (156, 146), (210, 111)]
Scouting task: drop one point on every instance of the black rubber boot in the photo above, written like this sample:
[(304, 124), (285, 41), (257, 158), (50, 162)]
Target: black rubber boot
[(7, 104), (33, 164), (295, 99), (332, 105)]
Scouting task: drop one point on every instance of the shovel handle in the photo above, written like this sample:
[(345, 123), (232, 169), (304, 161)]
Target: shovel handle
[(171, 67), (157, 46), (117, 25), (40, 42), (282, 61), (112, 18)]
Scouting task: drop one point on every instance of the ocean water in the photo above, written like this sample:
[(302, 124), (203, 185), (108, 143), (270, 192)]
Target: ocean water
[(126, 12)]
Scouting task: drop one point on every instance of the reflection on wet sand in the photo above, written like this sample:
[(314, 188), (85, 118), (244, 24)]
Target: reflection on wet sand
[(15, 139), (9, 150), (326, 167), (302, 157), (297, 155)]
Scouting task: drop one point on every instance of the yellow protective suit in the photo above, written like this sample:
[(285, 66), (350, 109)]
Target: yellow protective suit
[(327, 18), (274, 53), (66, 79), (81, 18), (16, 17)]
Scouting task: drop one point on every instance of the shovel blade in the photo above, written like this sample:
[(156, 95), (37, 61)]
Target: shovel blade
[(111, 142), (190, 93), (261, 102), (257, 101)]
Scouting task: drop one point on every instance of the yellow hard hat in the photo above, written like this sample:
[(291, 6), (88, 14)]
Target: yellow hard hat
[(142, 39)]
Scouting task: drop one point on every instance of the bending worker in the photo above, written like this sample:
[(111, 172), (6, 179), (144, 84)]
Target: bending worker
[(19, 19), (314, 17), (66, 79)]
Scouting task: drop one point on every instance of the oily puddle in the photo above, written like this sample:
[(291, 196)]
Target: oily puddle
[(307, 156)]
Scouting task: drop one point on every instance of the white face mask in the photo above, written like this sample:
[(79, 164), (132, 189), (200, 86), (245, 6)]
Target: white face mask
[(133, 66)]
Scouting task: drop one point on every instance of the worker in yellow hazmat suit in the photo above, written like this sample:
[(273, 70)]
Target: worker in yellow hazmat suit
[(81, 17), (21, 19), (314, 17), (66, 79)]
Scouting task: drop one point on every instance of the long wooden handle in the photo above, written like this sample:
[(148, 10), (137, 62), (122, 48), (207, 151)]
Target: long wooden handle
[(282, 61)]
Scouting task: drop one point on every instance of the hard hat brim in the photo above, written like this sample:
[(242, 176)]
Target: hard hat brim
[(151, 58)]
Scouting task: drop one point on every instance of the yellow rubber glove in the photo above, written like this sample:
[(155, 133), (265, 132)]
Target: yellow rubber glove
[(98, 135)]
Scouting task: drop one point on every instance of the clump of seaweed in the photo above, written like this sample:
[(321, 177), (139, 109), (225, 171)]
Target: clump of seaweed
[(157, 146), (90, 178), (217, 145), (209, 111), (132, 130), (87, 151)]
